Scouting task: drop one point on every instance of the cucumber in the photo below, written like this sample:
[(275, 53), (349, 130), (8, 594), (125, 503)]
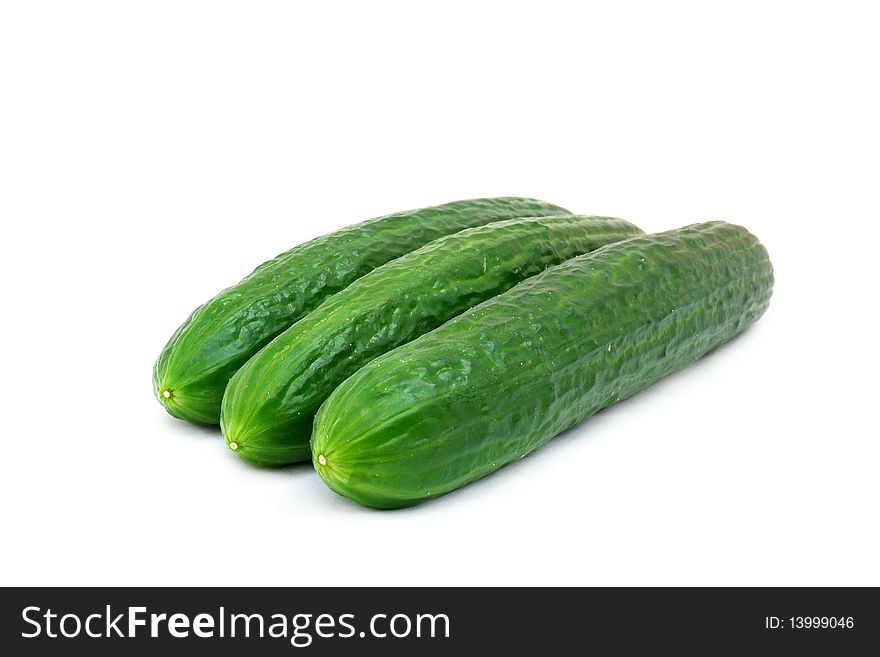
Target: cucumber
[(496, 382), (194, 367), (270, 403)]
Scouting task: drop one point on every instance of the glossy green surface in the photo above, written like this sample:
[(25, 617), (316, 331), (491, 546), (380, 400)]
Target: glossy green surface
[(194, 367), (270, 403), (496, 382)]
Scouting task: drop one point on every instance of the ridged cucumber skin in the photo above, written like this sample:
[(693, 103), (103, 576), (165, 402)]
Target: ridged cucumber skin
[(495, 383), (217, 338), (270, 403)]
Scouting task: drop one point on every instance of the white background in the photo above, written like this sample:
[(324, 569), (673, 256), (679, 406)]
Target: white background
[(152, 153)]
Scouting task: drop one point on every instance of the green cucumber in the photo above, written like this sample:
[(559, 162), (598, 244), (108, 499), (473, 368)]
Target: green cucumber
[(496, 382), (194, 367), (270, 403)]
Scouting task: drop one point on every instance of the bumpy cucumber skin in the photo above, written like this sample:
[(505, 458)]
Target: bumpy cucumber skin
[(495, 383), (194, 367), (270, 403)]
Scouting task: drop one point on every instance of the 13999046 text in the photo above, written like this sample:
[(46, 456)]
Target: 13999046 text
[(809, 623)]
